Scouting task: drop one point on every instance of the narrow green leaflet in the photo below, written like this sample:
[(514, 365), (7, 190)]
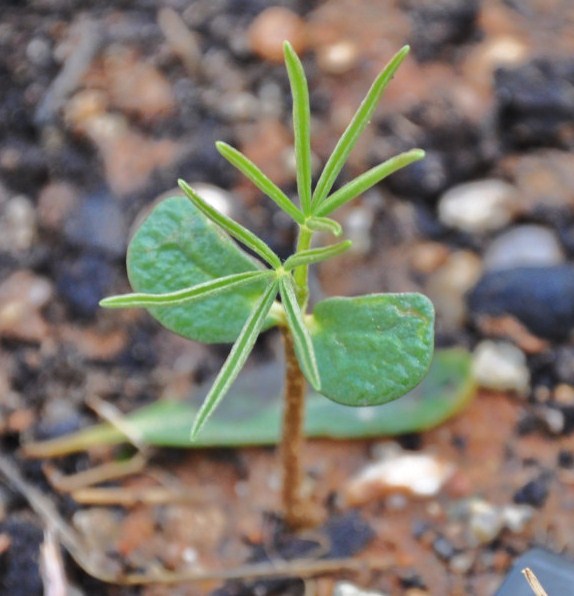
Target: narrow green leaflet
[(205, 290), (301, 337), (372, 349), (359, 122), (232, 227), (324, 224), (316, 255), (192, 250), (237, 357), (264, 184), (301, 125), (367, 180)]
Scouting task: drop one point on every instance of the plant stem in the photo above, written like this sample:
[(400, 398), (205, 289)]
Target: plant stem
[(299, 511), (300, 274)]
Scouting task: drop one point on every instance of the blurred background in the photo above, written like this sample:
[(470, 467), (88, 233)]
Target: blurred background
[(103, 105)]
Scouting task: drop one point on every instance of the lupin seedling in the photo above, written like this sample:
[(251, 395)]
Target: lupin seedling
[(187, 268)]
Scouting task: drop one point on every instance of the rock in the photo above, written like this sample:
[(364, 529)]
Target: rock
[(527, 245), (485, 522), (136, 87), (22, 297), (82, 281), (478, 207), (271, 28), (535, 103), (17, 225), (417, 474), (535, 492), (517, 517), (544, 179), (98, 223), (349, 589), (542, 298), (500, 366), (338, 58), (437, 24), (55, 203), (449, 284)]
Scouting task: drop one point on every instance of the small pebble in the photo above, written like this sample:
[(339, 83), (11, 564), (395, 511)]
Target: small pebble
[(349, 589), (22, 297), (17, 225), (271, 28), (478, 207), (500, 366), (338, 58), (98, 223), (522, 246), (485, 522), (517, 517), (535, 492), (417, 474), (448, 286), (461, 563), (55, 202)]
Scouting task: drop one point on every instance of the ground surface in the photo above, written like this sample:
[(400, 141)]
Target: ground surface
[(103, 107)]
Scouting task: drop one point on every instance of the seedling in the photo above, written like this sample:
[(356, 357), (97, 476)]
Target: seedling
[(193, 278)]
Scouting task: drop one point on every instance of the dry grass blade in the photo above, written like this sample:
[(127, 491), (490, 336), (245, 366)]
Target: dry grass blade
[(533, 582), (52, 566)]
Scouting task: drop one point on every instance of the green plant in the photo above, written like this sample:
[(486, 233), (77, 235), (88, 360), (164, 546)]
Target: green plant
[(194, 279)]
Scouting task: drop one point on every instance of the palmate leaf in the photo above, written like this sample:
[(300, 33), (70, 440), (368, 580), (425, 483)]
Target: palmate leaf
[(176, 247), (372, 349)]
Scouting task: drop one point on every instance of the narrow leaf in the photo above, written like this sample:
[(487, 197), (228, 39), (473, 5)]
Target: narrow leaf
[(301, 125), (232, 227), (264, 184), (237, 357), (359, 122), (324, 224), (367, 180), (204, 290), (303, 344), (316, 255)]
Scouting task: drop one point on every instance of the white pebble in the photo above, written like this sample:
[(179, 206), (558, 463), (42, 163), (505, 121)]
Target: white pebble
[(500, 366), (349, 589), (216, 197), (418, 474), (478, 207)]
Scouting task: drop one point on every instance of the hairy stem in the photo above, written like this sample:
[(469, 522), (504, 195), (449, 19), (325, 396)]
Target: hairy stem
[(299, 511), (301, 273)]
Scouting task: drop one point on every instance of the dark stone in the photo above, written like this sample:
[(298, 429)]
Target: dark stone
[(98, 223), (438, 25), (542, 298), (443, 548), (535, 104), (564, 364), (566, 459), (20, 574), (83, 281), (535, 492)]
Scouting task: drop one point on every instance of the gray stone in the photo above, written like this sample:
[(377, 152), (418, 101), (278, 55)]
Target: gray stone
[(527, 245)]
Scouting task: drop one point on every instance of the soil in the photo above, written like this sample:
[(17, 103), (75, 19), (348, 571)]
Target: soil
[(102, 107)]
